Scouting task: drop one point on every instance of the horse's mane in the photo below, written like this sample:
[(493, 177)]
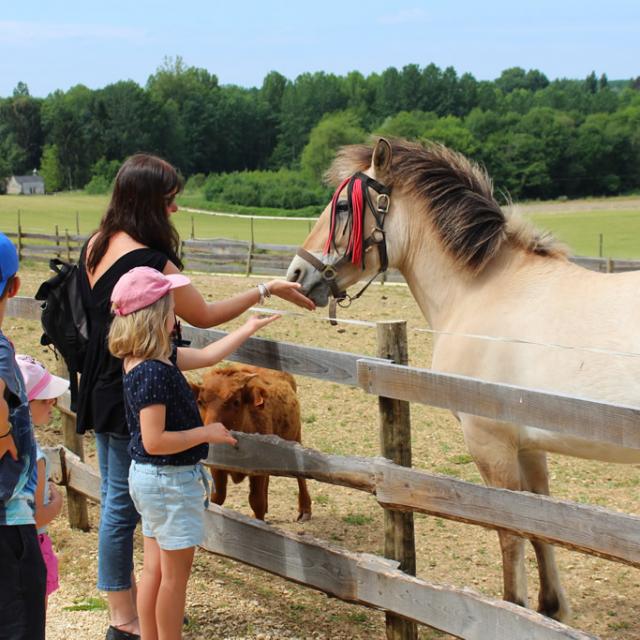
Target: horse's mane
[(458, 195)]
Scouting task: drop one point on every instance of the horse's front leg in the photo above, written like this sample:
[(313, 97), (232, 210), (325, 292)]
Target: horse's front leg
[(552, 600), (494, 447)]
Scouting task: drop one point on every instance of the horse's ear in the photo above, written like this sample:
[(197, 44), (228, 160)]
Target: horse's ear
[(381, 157)]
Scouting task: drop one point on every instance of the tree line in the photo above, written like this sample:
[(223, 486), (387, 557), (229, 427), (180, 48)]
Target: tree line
[(269, 146)]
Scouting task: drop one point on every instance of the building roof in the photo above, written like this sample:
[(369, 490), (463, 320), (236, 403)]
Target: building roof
[(27, 179)]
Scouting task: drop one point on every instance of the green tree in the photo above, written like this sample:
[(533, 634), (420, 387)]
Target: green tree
[(333, 131), (51, 169)]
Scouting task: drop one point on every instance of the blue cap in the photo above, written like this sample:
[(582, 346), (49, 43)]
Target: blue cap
[(8, 261)]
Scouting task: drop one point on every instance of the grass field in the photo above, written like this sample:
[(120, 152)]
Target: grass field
[(576, 223)]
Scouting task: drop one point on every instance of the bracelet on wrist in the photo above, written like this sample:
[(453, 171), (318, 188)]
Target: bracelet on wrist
[(264, 292), (8, 433)]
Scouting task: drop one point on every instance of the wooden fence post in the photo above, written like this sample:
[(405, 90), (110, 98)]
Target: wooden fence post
[(251, 249), (19, 237), (57, 243), (395, 444), (193, 229), (76, 502), (66, 233), (609, 265), (77, 223)]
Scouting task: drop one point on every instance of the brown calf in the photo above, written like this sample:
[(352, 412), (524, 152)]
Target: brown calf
[(252, 400)]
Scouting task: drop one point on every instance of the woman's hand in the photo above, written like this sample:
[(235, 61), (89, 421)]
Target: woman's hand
[(290, 291), (217, 433)]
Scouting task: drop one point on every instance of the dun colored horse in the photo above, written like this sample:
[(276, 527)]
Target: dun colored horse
[(476, 270)]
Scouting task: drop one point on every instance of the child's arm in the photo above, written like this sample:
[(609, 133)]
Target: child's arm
[(216, 351), (7, 443), (45, 513), (157, 441)]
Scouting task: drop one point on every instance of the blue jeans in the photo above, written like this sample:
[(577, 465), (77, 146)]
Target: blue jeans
[(118, 516)]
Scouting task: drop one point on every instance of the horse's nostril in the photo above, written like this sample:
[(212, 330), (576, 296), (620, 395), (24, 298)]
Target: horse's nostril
[(297, 274)]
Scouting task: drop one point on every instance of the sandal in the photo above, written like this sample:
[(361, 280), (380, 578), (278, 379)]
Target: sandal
[(113, 633)]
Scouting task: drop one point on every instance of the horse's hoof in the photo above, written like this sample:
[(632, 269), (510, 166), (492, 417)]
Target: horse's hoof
[(556, 608), (304, 517)]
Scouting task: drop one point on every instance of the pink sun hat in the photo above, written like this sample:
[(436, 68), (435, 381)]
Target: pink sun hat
[(40, 384), (141, 287)]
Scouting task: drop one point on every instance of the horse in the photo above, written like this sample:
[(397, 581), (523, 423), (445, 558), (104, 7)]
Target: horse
[(475, 269)]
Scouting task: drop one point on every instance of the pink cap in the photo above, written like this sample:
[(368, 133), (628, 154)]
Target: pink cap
[(40, 384), (141, 287)]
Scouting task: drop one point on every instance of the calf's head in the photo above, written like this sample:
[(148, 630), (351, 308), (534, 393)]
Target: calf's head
[(232, 398)]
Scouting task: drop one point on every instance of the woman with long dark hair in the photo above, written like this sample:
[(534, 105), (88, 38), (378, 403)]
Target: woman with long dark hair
[(135, 231)]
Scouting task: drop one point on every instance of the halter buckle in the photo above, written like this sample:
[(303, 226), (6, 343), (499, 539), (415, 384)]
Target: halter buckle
[(382, 202), (344, 302), (329, 273)]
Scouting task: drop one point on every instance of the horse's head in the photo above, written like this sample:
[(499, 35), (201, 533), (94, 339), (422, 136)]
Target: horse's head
[(348, 243)]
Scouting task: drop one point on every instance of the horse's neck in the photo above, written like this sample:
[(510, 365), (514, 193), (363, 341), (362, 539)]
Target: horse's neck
[(441, 288)]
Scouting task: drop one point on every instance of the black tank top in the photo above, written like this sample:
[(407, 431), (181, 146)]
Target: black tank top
[(100, 396)]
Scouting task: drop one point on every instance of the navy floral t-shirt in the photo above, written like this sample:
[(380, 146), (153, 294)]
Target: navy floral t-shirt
[(155, 382)]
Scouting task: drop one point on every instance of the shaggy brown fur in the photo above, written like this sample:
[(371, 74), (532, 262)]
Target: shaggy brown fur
[(458, 196)]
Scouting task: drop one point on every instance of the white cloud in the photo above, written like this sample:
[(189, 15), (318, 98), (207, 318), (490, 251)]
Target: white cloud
[(404, 16), (14, 32)]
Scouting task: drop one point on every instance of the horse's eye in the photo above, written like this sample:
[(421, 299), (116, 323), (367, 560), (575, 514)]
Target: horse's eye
[(342, 206)]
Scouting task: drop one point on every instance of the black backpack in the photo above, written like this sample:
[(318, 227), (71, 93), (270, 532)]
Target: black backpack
[(64, 319)]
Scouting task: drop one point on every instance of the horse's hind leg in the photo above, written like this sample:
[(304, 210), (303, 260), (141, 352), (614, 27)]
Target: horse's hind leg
[(552, 600), (494, 447)]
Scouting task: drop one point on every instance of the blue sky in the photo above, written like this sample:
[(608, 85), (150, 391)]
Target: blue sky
[(59, 43)]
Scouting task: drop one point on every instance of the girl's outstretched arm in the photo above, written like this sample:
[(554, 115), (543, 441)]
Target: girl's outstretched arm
[(211, 354), (158, 441)]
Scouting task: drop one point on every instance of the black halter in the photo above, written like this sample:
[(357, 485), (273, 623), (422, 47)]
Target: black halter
[(377, 237)]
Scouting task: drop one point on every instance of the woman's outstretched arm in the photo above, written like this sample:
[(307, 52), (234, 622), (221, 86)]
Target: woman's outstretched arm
[(194, 309)]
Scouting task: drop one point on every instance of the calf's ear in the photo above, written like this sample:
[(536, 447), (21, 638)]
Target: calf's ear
[(258, 394)]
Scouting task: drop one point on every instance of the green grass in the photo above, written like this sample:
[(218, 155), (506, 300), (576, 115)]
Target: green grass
[(581, 230), (40, 214), (620, 230)]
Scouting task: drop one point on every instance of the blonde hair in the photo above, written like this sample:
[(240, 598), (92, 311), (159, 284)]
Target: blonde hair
[(143, 333)]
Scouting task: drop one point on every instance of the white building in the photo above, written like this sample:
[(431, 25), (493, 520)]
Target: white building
[(26, 185)]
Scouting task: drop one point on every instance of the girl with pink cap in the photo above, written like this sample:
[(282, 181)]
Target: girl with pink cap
[(168, 440), (43, 389)]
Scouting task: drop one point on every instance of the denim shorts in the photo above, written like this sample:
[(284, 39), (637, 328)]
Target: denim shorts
[(171, 503)]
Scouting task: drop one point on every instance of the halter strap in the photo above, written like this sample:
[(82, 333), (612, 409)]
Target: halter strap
[(357, 248)]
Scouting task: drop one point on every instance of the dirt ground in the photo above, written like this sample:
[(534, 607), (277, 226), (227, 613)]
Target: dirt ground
[(229, 600)]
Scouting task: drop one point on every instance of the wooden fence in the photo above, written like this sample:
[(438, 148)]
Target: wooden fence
[(378, 582), (224, 255)]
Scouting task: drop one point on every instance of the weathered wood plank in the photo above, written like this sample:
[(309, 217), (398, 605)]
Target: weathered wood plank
[(277, 457), (67, 469), (333, 366), (25, 308), (374, 582), (592, 530), (601, 421)]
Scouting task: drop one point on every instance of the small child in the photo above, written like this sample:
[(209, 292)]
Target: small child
[(43, 389), (168, 439), (22, 569)]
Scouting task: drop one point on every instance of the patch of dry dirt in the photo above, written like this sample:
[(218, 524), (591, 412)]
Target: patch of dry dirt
[(229, 600)]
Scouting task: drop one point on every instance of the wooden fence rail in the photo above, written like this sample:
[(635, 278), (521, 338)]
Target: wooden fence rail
[(353, 577), (224, 255)]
